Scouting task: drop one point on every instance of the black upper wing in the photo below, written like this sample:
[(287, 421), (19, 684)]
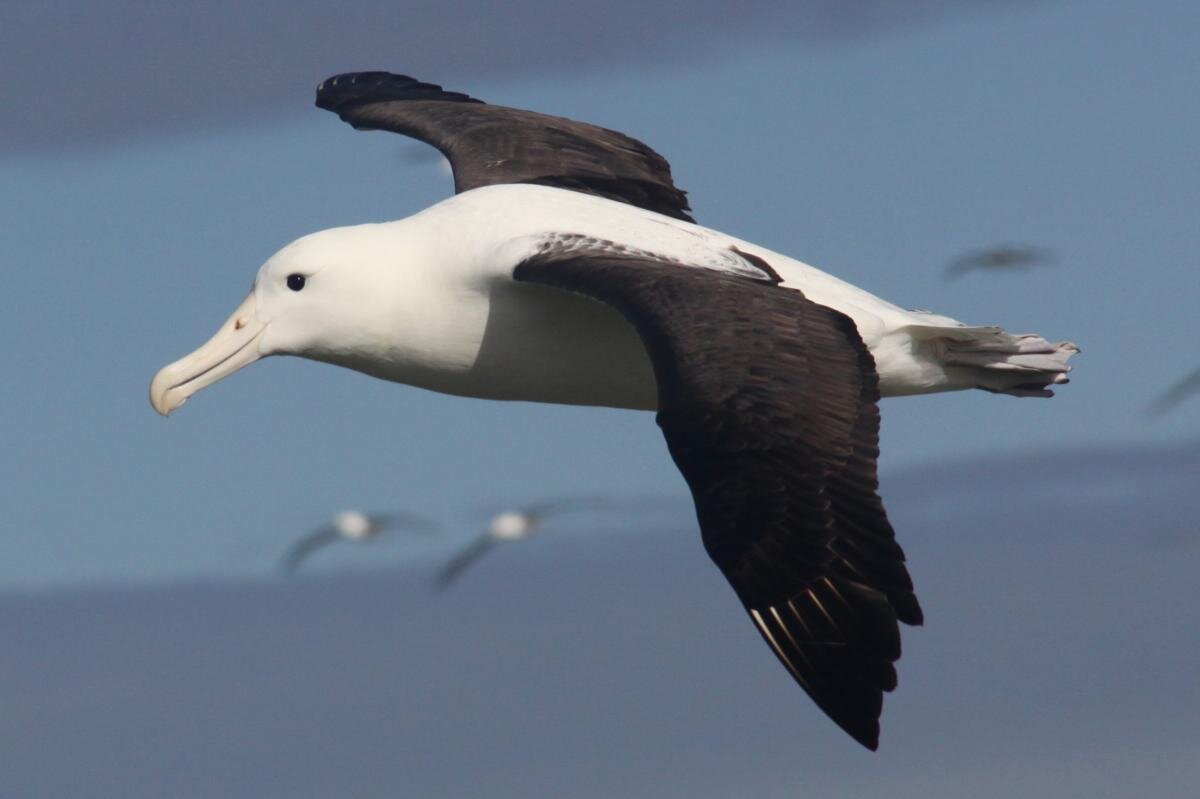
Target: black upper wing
[(490, 144), (463, 559), (768, 405), (1180, 391), (307, 545)]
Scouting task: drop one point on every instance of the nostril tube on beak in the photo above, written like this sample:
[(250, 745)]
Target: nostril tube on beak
[(234, 345)]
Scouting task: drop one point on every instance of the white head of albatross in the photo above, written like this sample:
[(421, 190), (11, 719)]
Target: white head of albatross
[(338, 295), (567, 268)]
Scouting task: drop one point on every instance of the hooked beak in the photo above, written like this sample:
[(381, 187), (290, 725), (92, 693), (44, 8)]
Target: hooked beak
[(235, 345)]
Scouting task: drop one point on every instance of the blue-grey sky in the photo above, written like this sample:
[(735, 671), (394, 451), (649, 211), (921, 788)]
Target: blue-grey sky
[(878, 156)]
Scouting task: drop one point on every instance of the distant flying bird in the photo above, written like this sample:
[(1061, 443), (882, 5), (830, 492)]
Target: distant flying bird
[(354, 526), (1003, 258), (1189, 385), (568, 269), (506, 527)]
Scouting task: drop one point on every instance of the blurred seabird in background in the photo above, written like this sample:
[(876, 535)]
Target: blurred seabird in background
[(1003, 258), (354, 526), (508, 526)]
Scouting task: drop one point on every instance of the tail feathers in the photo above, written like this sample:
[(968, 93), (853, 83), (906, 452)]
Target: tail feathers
[(1023, 365)]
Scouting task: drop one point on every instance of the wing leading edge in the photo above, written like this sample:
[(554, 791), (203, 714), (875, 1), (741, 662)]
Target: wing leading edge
[(491, 144)]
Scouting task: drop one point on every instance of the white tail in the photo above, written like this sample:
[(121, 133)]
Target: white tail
[(1023, 365)]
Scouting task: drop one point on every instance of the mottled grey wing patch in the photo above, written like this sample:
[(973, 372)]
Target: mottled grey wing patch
[(768, 405), (731, 260), (491, 144)]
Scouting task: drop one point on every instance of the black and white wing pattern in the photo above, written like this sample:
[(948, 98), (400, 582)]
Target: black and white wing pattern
[(490, 144), (768, 405)]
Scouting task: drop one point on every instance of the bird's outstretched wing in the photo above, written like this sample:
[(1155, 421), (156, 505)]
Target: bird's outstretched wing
[(405, 521), (552, 507), (307, 545), (490, 144), (463, 559), (1186, 386), (768, 405), (962, 265)]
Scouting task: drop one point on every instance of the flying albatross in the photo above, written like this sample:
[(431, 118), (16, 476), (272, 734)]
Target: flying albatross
[(350, 525), (506, 527), (567, 269)]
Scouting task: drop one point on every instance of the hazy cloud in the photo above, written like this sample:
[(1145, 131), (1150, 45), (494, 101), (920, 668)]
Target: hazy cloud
[(78, 71), (1057, 653)]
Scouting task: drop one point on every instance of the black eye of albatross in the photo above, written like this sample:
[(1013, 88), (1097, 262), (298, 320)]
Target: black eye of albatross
[(295, 281)]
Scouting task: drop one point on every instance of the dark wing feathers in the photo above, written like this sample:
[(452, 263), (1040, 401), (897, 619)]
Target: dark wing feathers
[(463, 559), (300, 551), (1184, 388), (491, 144), (867, 550), (352, 88), (768, 405)]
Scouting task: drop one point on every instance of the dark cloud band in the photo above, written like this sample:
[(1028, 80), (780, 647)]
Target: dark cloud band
[(79, 72)]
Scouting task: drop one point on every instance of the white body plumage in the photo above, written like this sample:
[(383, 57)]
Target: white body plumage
[(430, 301)]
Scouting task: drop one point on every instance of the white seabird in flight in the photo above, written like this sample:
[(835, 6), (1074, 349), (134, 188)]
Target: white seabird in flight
[(567, 269), (354, 526), (506, 527)]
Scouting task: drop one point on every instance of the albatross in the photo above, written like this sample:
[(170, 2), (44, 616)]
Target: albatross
[(354, 526), (506, 527), (567, 268)]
